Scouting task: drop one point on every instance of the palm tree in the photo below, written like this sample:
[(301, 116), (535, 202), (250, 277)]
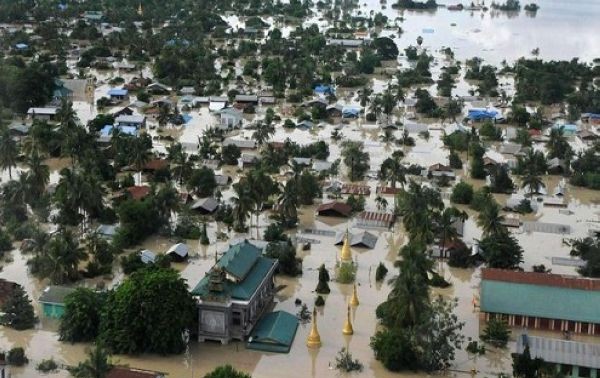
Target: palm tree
[(181, 165), (392, 170), (490, 220), (139, 156), (387, 136), (61, 258), (263, 132), (9, 152), (242, 205), (445, 225), (288, 204), (388, 102), (39, 173), (97, 364), (532, 182), (381, 203), (164, 114)]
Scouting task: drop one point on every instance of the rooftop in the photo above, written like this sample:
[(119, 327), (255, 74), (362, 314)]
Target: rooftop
[(559, 351), (55, 294), (275, 332)]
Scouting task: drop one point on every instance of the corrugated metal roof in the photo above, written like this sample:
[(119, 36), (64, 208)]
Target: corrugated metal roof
[(239, 259), (275, 332), (55, 294), (559, 351)]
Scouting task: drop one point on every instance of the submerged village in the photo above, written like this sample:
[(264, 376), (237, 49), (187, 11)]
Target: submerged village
[(332, 188)]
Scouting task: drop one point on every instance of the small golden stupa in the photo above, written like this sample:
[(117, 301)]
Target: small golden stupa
[(346, 252), (314, 339), (354, 300), (348, 330), (140, 10)]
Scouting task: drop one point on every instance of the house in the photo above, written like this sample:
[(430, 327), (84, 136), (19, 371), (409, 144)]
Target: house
[(304, 162), (357, 239), (178, 252), (567, 129), (482, 114), (334, 110), (316, 103), (334, 209), (359, 190), (217, 103), (387, 190), (205, 205), (230, 118), (155, 165), (137, 121), (440, 170), (521, 298), (557, 166), (93, 16), (107, 231), (6, 290), (350, 43), (222, 180), (350, 112), (246, 99), (147, 256), (248, 160), (118, 94), (242, 144), (124, 66), (187, 91), (324, 90), (275, 332), (511, 149), (137, 192), (321, 166), (305, 125), (375, 219), (587, 135), (126, 372), (415, 128), (570, 358), (19, 129), (233, 295), (158, 89), (43, 114), (53, 300)]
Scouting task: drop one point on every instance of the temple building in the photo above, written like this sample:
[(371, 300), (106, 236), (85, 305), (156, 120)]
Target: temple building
[(234, 294), (541, 300)]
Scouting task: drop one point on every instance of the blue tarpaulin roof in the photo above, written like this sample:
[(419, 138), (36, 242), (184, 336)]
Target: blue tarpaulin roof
[(117, 92), (479, 114), (350, 111), (323, 89), (21, 46), (108, 130)]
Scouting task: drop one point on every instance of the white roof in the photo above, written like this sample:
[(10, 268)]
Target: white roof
[(560, 351), (43, 111), (130, 119), (180, 249)]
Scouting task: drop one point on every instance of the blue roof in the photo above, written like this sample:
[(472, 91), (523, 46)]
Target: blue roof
[(479, 114), (118, 92), (275, 332), (21, 46), (567, 127), (350, 111), (324, 89), (533, 300), (108, 130)]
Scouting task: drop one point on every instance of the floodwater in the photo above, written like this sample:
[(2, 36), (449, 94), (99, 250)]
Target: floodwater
[(494, 36)]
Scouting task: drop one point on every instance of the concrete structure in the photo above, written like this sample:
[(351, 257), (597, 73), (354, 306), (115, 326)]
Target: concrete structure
[(234, 294), (521, 298), (53, 300)]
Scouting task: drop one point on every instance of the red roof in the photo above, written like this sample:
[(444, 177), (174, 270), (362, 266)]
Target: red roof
[(121, 372), (338, 207), (356, 189), (376, 216), (156, 164), (535, 132), (543, 279), (138, 192), (440, 168), (388, 190)]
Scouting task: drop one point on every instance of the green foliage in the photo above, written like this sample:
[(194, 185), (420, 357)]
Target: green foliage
[(134, 225), (187, 227), (285, 252), (462, 193), (346, 273), (490, 132), (18, 311), (457, 141), (356, 159), (230, 154), (473, 347), (81, 319), (481, 198), (274, 232), (386, 48), (226, 371), (501, 181), (526, 367), (138, 315), (97, 364), (501, 251), (496, 333), (16, 357), (323, 285), (319, 301), (460, 257), (345, 362), (588, 249), (381, 272), (47, 366), (425, 104), (202, 182), (356, 203), (455, 161), (204, 240)]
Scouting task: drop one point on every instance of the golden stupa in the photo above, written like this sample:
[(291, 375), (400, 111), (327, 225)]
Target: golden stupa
[(348, 330), (354, 300), (140, 10), (346, 252), (314, 339)]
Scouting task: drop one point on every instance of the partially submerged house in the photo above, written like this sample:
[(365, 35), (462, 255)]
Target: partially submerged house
[(53, 300), (275, 332), (375, 219), (43, 114), (118, 94), (127, 372), (178, 252), (334, 209), (205, 206), (137, 121), (234, 294), (521, 298), (230, 118), (362, 239)]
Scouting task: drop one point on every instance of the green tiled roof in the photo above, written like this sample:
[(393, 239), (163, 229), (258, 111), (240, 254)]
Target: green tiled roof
[(239, 259), (275, 332), (540, 301), (242, 260)]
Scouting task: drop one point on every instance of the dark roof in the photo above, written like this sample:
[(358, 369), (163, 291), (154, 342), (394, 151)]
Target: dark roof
[(338, 207), (156, 164), (6, 290), (375, 216), (55, 294), (275, 332), (123, 372), (387, 190), (138, 192), (356, 189), (208, 204)]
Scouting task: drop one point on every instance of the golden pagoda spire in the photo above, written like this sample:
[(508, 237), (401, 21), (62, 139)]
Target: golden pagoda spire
[(140, 11), (314, 339), (354, 300), (348, 330), (346, 252)]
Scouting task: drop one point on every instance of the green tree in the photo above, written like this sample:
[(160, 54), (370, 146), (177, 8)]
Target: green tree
[(202, 182), (61, 258), (9, 151), (533, 184), (526, 367), (288, 205), (97, 365), (501, 251), (496, 333), (81, 319), (138, 315), (226, 371), (18, 311), (490, 220), (355, 159), (323, 285), (462, 193)]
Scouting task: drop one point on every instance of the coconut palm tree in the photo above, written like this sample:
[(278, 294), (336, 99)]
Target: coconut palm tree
[(490, 220), (9, 151), (288, 204), (388, 103), (445, 226), (97, 364), (381, 203), (61, 258), (263, 132), (242, 205), (533, 183), (38, 174), (393, 171), (139, 156)]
